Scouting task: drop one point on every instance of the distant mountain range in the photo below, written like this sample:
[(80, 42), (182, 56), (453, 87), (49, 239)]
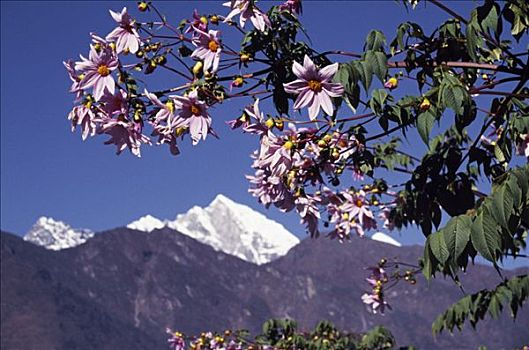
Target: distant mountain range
[(226, 226), (122, 288)]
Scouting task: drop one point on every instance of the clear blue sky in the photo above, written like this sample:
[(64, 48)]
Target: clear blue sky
[(47, 170)]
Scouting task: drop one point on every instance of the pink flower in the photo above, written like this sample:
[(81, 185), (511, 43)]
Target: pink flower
[(197, 22), (208, 48), (125, 36), (293, 6), (114, 104), (314, 87), (247, 10), (165, 111), (75, 78), (522, 148), (192, 114), (83, 115), (376, 302), (309, 212), (123, 134), (176, 340), (97, 71)]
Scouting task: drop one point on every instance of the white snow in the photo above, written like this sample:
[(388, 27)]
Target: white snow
[(226, 226), (56, 235), (236, 229), (382, 237), (146, 223)]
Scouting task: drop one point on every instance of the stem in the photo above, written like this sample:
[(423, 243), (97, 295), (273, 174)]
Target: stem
[(485, 66)]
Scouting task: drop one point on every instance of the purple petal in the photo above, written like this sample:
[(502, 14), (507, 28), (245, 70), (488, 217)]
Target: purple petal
[(328, 72), (326, 103), (304, 98)]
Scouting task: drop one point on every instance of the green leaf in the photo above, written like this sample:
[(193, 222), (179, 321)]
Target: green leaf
[(485, 236), (375, 41), (378, 62), (456, 235), (488, 17), (425, 122), (364, 72), (438, 247), (453, 96), (502, 205)]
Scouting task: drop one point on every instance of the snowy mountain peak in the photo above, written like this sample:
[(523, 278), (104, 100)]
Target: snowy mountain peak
[(146, 223), (229, 227), (384, 238), (56, 235)]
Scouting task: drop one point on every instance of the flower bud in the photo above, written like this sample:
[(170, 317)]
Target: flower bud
[(142, 6), (288, 145), (269, 123), (278, 123), (245, 57), (425, 104), (238, 81), (392, 83), (161, 60), (204, 20), (197, 68)]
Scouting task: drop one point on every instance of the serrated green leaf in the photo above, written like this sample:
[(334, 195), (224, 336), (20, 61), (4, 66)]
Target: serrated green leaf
[(456, 235), (485, 235), (502, 205), (438, 247)]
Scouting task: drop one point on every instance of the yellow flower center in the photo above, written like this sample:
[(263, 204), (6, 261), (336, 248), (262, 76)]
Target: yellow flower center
[(314, 85), (213, 45), (194, 109), (103, 70), (359, 203)]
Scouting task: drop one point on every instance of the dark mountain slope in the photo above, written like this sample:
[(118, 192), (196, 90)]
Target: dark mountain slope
[(123, 287)]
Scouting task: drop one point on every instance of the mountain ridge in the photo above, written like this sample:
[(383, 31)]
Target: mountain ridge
[(143, 283)]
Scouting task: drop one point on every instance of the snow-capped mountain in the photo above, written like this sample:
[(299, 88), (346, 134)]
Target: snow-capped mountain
[(229, 227), (147, 223), (56, 235), (226, 226), (382, 237)]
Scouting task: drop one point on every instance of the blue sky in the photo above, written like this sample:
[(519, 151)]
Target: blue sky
[(47, 170)]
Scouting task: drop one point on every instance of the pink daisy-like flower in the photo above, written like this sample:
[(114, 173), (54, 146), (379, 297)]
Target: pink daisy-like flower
[(75, 78), (125, 36), (192, 114), (208, 48), (293, 6), (83, 116), (314, 87), (97, 71), (247, 10), (123, 134)]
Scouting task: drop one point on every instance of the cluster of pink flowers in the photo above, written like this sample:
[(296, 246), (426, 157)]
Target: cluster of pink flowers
[(296, 168), (290, 172), (206, 341), (375, 300)]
